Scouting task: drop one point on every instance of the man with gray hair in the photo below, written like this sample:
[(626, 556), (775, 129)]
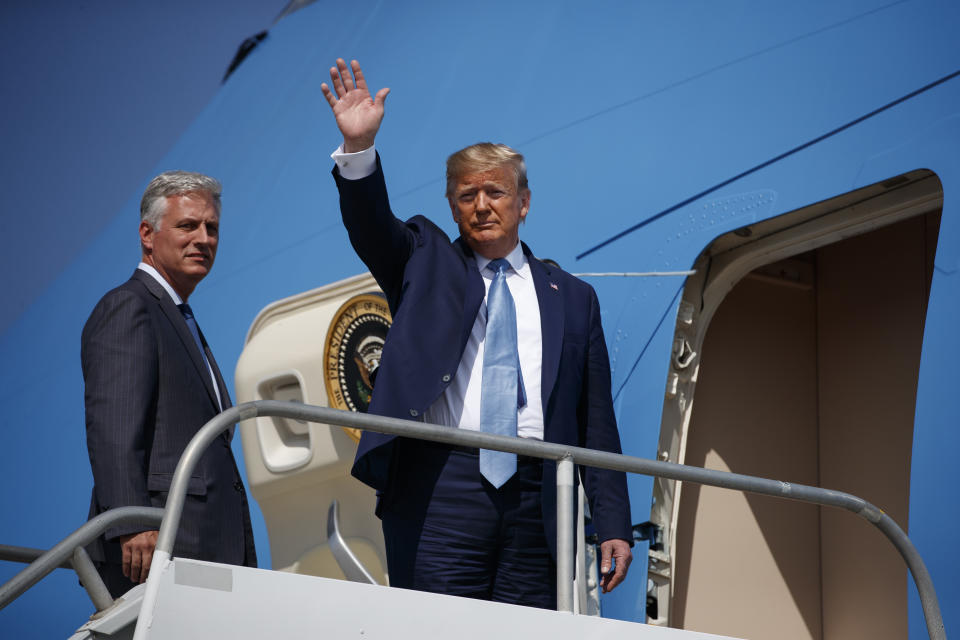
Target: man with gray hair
[(151, 381)]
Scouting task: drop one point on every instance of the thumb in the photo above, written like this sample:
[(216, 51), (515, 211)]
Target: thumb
[(605, 554), (381, 97)]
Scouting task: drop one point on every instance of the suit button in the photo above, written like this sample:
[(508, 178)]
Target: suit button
[(446, 377), (414, 413), (238, 485)]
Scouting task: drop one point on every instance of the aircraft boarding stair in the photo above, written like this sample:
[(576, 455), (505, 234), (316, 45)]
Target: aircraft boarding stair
[(185, 598)]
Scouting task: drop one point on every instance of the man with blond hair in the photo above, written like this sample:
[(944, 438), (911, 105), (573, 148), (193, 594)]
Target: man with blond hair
[(485, 337)]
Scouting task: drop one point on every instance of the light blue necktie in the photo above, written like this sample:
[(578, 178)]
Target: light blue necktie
[(502, 390)]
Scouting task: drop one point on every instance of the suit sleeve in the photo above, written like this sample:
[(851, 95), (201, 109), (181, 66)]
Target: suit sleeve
[(383, 242), (119, 359), (606, 489)]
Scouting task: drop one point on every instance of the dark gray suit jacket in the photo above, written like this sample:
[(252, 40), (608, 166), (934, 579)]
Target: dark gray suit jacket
[(147, 391)]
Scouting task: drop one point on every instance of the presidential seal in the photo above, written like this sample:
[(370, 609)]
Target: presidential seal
[(352, 352)]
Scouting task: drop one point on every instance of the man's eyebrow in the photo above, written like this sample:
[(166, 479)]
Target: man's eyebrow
[(482, 185)]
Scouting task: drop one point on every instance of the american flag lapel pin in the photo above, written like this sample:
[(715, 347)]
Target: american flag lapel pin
[(553, 285)]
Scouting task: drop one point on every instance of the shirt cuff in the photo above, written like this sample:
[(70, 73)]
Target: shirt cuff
[(354, 166)]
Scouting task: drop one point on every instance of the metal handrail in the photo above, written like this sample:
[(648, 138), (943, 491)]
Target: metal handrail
[(26, 555), (91, 580), (67, 550), (80, 563), (353, 569), (565, 456)]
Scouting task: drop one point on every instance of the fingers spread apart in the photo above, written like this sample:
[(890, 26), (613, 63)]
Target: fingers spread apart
[(342, 80)]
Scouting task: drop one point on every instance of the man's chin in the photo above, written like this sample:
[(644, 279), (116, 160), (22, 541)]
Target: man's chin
[(485, 238), (497, 246), (196, 273)]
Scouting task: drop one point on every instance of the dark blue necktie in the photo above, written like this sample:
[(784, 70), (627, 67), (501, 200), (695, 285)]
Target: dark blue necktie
[(194, 329), (195, 332), (501, 392)]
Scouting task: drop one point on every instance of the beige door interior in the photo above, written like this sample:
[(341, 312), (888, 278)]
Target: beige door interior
[(808, 374)]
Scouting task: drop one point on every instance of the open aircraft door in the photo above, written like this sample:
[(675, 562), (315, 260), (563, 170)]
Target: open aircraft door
[(321, 347)]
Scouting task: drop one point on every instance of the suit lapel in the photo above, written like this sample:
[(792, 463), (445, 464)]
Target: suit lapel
[(550, 300), (474, 291), (221, 385), (173, 314)]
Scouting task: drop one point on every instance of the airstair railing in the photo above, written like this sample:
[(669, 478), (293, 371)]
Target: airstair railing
[(80, 563), (71, 550), (565, 456), (26, 555)]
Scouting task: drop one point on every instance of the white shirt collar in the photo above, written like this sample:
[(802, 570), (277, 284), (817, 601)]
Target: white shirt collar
[(143, 266), (516, 259)]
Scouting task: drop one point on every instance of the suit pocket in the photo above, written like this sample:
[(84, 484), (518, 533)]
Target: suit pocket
[(196, 485)]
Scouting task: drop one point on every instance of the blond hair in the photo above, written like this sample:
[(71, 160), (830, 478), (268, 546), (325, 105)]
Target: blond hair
[(485, 156)]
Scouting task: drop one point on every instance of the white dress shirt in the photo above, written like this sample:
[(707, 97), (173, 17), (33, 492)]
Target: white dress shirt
[(459, 405), (354, 166), (177, 300)]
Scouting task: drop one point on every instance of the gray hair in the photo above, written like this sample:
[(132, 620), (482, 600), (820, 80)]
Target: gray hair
[(485, 156), (174, 183)]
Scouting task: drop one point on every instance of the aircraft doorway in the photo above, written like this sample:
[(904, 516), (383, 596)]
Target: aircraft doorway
[(808, 374)]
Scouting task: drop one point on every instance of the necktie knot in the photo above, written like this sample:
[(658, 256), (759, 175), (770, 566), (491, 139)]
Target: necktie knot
[(187, 314), (500, 265)]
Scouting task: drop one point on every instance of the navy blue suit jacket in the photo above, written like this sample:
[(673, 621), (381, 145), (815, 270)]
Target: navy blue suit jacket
[(435, 290), (147, 391)]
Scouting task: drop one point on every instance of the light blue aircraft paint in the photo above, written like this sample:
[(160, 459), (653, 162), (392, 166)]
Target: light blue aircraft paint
[(632, 116)]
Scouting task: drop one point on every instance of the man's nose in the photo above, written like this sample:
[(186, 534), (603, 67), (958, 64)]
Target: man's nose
[(481, 202), (202, 236)]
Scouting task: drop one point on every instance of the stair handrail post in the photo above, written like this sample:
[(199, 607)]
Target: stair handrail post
[(527, 447)]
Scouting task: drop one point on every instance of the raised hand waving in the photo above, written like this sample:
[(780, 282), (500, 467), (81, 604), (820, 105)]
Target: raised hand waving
[(358, 114)]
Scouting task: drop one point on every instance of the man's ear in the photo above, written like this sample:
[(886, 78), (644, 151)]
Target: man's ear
[(146, 237), (524, 204), (453, 210)]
